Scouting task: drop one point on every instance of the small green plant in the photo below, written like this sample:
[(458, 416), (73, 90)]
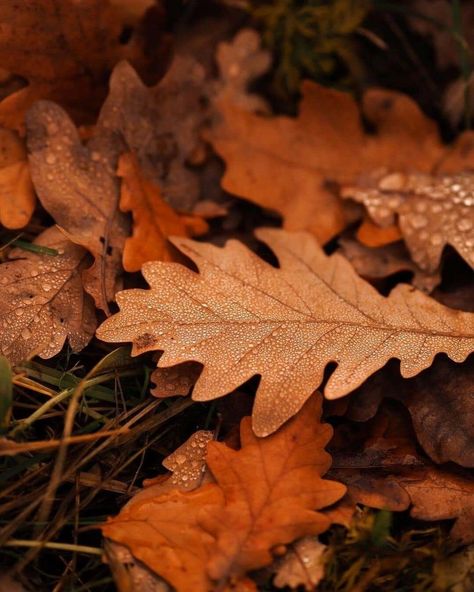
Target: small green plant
[(310, 39)]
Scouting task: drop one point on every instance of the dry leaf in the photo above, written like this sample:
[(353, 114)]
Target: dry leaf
[(372, 235), (17, 197), (380, 262), (384, 470), (154, 220), (432, 212), (188, 462), (240, 62), (77, 185), (302, 565), (160, 127), (42, 301), (176, 380), (241, 317), (286, 164), (265, 494), (441, 404), (66, 50)]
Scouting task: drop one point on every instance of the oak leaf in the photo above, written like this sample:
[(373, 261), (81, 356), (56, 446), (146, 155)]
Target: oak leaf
[(160, 126), (42, 301), (176, 380), (154, 220), (387, 471), (303, 565), (77, 185), (17, 196), (66, 51), (265, 494), (240, 317), (432, 212), (288, 164), (188, 462)]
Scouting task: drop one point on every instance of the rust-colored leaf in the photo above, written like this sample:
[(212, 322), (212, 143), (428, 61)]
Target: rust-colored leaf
[(265, 494), (42, 301), (240, 317), (77, 185), (302, 565), (154, 220), (288, 164), (66, 49), (388, 472), (432, 212), (176, 380), (17, 197)]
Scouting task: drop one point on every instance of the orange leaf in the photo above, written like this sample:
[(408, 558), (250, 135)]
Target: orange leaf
[(154, 219), (265, 495), (17, 196), (285, 163)]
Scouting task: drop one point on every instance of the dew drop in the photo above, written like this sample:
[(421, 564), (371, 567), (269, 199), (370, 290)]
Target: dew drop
[(419, 221), (436, 240), (50, 159), (464, 224), (26, 333), (46, 287)]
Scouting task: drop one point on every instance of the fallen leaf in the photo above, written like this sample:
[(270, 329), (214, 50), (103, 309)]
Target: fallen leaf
[(302, 565), (288, 164), (440, 401), (384, 470), (188, 462), (455, 572), (265, 495), (372, 235), (66, 50), (240, 62), (42, 301), (176, 380), (77, 185), (432, 212), (240, 317), (154, 220), (17, 196), (161, 127), (381, 262)]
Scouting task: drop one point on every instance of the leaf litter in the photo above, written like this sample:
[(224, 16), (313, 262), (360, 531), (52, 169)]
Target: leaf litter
[(282, 498)]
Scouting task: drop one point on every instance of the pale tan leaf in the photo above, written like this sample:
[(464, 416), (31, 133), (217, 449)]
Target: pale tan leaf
[(176, 380), (432, 212), (42, 301), (240, 317), (302, 565), (188, 462)]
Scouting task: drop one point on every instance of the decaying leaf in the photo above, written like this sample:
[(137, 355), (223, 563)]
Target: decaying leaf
[(440, 401), (77, 185), (240, 317), (17, 197), (288, 164), (302, 565), (432, 212), (188, 462), (265, 494), (161, 126), (380, 262), (66, 50), (176, 380), (42, 301), (385, 470), (154, 220)]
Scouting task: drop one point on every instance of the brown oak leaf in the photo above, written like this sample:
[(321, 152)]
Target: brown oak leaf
[(432, 212), (265, 495), (66, 51), (241, 317), (154, 220), (188, 462), (160, 126), (77, 185), (176, 380), (385, 470), (17, 196), (302, 565), (42, 301), (288, 164)]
